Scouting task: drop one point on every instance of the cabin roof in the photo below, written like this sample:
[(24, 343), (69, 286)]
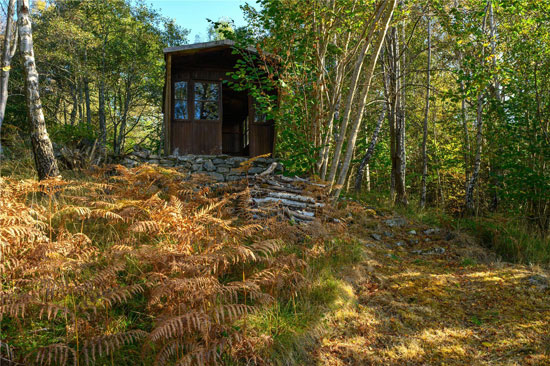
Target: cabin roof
[(197, 47)]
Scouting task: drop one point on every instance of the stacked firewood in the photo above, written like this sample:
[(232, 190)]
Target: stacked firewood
[(296, 198)]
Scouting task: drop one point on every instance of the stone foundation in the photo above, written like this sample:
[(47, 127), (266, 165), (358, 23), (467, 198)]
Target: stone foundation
[(223, 168)]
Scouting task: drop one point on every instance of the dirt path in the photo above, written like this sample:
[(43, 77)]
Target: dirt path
[(426, 297)]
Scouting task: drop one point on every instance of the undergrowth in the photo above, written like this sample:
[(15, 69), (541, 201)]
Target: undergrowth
[(510, 237), (144, 266)]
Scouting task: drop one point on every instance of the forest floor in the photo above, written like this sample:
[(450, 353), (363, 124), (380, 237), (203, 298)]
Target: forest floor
[(423, 296), (358, 286)]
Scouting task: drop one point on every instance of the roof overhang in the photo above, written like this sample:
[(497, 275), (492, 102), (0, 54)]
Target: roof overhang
[(204, 46)]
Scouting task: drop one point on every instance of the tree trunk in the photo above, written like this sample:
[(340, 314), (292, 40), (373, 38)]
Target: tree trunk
[(75, 103), (352, 91), (470, 205), (87, 93), (426, 115), (364, 95), (397, 121), (470, 189), (46, 165), (101, 102), (125, 108), (370, 150), (7, 55)]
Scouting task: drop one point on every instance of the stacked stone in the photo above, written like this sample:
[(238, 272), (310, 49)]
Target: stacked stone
[(222, 168)]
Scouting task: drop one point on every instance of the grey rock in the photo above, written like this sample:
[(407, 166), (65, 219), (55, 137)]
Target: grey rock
[(400, 243), (166, 162), (129, 163), (388, 234), (256, 170), (222, 169), (413, 241), (427, 240), (540, 282), (396, 222), (186, 158), (432, 231), (141, 154), (236, 160), (209, 166), (156, 157), (412, 232), (376, 237), (219, 161), (233, 177), (436, 250), (196, 167), (217, 176)]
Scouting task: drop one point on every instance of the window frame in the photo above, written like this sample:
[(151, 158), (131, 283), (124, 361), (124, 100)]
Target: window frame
[(188, 119), (220, 111), (191, 100)]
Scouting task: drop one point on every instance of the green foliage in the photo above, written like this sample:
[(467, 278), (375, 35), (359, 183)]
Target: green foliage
[(85, 47), (72, 135)]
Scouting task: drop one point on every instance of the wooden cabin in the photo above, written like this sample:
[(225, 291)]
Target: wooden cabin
[(202, 114)]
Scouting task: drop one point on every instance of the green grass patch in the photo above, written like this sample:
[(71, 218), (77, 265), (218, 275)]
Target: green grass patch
[(295, 324)]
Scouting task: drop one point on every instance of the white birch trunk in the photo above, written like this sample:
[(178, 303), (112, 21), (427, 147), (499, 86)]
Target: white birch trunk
[(46, 165), (426, 116), (7, 55), (364, 95)]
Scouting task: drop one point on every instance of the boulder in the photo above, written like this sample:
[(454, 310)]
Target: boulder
[(396, 222), (376, 237)]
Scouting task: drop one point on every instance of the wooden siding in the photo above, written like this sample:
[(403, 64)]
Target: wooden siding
[(210, 137)]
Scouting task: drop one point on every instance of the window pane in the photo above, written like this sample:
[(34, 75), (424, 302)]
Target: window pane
[(206, 110), (207, 91), (180, 90), (180, 109)]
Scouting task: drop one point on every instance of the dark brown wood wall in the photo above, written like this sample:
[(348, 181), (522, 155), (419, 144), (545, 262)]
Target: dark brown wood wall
[(199, 136)]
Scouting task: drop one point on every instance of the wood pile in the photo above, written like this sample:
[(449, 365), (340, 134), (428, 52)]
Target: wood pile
[(298, 199)]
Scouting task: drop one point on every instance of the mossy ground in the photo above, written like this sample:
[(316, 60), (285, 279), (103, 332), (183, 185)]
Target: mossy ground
[(393, 305)]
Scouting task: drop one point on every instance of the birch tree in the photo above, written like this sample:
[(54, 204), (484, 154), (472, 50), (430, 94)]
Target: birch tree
[(44, 159), (383, 28), (426, 115), (10, 45)]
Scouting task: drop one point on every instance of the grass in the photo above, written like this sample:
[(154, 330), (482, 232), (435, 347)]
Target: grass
[(297, 324), (456, 308), (511, 238)]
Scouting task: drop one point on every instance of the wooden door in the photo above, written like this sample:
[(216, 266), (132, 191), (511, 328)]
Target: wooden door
[(262, 132), (197, 117)]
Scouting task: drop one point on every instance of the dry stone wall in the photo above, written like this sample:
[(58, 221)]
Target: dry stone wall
[(222, 168)]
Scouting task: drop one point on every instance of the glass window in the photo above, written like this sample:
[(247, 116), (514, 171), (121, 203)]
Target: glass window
[(180, 100), (207, 101)]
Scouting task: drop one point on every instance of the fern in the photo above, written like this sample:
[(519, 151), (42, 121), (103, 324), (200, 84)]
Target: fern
[(139, 244)]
